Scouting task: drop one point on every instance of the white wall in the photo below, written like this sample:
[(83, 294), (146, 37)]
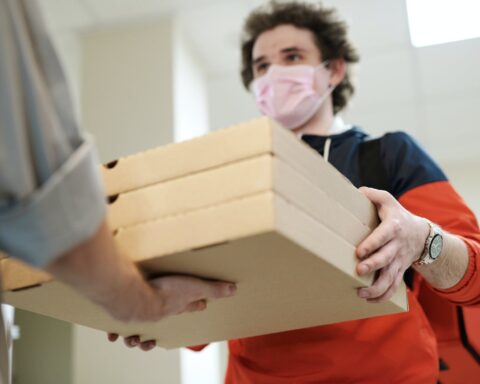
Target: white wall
[(465, 178), (128, 104), (191, 120), (43, 353), (127, 88), (97, 361), (229, 102), (69, 49), (189, 90)]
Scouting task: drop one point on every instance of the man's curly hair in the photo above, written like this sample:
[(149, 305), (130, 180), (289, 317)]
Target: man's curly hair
[(329, 32)]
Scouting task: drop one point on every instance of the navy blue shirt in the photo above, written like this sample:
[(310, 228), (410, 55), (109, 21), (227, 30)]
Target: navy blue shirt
[(406, 163)]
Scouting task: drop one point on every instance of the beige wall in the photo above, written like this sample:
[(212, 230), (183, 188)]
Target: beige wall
[(127, 87), (127, 104), (97, 361), (43, 353)]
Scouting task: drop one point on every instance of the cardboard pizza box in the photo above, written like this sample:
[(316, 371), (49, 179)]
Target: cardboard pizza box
[(292, 272), (250, 204), (220, 148)]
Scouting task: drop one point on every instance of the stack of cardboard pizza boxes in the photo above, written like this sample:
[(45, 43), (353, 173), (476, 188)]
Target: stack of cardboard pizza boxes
[(251, 204)]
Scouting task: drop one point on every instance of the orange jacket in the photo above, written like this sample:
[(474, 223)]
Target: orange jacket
[(397, 348)]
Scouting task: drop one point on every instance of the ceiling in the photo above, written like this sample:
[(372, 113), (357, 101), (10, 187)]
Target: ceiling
[(217, 23), (432, 92)]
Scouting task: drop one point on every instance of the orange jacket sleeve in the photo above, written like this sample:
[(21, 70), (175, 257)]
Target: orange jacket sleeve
[(441, 204)]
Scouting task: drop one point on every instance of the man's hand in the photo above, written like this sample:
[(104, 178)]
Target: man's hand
[(134, 341), (96, 269), (176, 294), (391, 248), (172, 295)]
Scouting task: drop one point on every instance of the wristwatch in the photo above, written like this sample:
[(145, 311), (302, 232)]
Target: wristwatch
[(433, 246)]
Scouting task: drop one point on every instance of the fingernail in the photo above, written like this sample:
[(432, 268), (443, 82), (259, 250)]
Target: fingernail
[(361, 254), (232, 288), (363, 268), (363, 294)]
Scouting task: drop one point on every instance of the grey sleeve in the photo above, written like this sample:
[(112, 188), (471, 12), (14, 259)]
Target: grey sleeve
[(51, 195)]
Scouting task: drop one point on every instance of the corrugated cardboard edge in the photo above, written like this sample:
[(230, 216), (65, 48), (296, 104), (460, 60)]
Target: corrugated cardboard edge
[(158, 237), (231, 182), (126, 174), (227, 146), (17, 275), (307, 161), (281, 220), (343, 257), (192, 192), (154, 239)]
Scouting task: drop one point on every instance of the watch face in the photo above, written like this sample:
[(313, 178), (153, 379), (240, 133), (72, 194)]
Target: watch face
[(436, 246)]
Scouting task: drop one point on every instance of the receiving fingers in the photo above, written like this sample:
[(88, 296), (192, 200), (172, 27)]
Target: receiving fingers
[(112, 337), (385, 280), (202, 289), (132, 341), (380, 236), (390, 291), (148, 345), (376, 196), (199, 305), (217, 290), (380, 259)]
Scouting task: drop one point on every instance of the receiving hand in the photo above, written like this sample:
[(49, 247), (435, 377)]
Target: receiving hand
[(174, 295), (391, 248)]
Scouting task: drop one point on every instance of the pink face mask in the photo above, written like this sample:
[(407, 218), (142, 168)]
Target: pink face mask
[(288, 94)]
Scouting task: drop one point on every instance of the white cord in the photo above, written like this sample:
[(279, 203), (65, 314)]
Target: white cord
[(326, 149)]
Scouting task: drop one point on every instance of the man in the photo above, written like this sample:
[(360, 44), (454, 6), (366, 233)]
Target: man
[(296, 60), (52, 205)]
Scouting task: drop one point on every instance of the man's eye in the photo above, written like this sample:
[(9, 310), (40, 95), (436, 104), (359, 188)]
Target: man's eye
[(294, 57), (262, 67)]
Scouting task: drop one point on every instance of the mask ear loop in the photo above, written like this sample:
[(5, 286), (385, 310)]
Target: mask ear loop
[(326, 64), (330, 87)]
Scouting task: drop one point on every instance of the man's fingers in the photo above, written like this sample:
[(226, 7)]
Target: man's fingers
[(197, 289), (380, 236), (380, 259), (148, 345), (199, 305), (193, 288), (387, 277), (112, 337), (177, 292), (389, 293), (132, 341), (376, 196), (218, 290)]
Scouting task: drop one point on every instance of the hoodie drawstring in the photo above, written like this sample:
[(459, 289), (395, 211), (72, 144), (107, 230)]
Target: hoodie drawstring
[(326, 149)]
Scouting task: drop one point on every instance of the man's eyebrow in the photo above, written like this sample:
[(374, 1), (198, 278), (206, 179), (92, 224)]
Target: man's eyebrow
[(284, 50), (258, 60), (291, 49)]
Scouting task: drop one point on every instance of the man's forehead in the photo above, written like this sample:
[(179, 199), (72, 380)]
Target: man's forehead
[(284, 36)]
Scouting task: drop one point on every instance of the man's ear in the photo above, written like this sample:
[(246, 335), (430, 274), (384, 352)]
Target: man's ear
[(338, 69)]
